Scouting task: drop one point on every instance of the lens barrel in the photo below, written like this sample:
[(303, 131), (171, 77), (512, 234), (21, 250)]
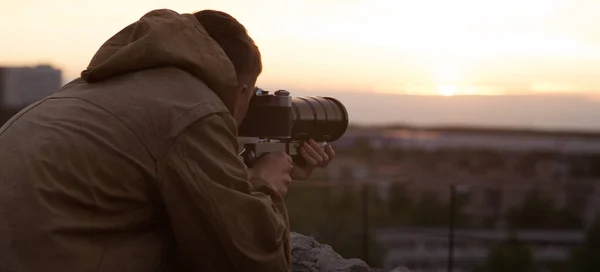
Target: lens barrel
[(323, 119)]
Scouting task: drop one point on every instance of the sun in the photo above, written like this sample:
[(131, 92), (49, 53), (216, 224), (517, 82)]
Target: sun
[(446, 90), (447, 75)]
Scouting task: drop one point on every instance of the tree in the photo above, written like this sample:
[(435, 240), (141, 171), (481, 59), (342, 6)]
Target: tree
[(511, 255), (309, 208), (540, 212), (349, 245), (585, 166), (586, 258), (430, 211), (566, 218), (333, 215), (462, 218), (399, 205)]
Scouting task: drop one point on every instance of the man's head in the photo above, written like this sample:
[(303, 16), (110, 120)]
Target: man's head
[(233, 38)]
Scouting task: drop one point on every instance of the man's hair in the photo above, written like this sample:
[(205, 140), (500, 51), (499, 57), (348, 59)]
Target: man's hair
[(233, 38)]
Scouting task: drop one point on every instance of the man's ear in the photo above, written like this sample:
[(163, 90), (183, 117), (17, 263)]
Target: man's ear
[(238, 97), (234, 97), (244, 91)]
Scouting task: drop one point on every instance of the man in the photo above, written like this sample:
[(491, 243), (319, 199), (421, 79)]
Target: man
[(134, 167)]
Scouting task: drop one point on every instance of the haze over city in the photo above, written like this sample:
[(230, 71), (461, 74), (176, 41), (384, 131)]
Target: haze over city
[(489, 63)]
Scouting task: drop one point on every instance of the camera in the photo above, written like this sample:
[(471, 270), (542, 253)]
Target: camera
[(279, 122)]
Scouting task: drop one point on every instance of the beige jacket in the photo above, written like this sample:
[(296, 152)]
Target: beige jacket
[(133, 166)]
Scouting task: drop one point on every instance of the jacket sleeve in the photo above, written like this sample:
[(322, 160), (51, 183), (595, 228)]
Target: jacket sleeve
[(206, 190)]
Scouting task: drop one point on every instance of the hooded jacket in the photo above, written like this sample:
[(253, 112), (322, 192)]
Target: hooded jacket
[(134, 167)]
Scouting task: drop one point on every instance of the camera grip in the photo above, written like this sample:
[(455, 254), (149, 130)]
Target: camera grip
[(254, 151)]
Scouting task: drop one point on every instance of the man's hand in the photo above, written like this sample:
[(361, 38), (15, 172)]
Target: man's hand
[(274, 168), (314, 156)]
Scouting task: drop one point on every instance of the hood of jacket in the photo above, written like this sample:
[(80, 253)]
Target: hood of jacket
[(165, 38)]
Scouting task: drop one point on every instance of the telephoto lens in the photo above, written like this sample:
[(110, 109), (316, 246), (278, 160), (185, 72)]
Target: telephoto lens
[(323, 119)]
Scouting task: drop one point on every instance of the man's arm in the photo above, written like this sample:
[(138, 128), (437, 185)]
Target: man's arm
[(206, 191)]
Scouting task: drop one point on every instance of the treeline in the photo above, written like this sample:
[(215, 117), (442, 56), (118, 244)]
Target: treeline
[(515, 256), (335, 215)]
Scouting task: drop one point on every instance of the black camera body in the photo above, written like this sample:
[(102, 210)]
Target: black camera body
[(280, 122)]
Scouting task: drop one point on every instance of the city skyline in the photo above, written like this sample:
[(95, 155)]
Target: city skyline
[(547, 112)]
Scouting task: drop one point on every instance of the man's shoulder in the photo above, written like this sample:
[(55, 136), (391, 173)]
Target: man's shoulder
[(163, 86), (157, 104)]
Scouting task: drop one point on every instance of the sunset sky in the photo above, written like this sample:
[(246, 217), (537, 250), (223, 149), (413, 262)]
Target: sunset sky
[(393, 46)]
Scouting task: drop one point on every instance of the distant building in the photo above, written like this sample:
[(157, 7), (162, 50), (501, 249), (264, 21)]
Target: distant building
[(347, 170), (21, 86)]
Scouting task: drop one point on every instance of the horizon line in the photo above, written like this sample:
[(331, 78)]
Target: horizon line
[(480, 128)]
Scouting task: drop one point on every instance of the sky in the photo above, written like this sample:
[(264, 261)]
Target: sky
[(445, 48)]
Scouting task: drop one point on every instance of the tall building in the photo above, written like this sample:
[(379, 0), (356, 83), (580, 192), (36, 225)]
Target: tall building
[(22, 86)]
